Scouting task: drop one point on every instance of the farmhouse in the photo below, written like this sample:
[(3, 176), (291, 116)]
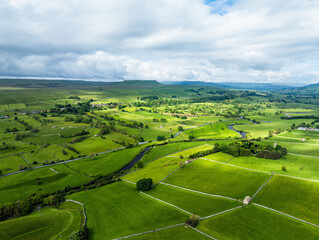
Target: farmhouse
[(4, 117)]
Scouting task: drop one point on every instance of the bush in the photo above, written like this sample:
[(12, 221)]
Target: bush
[(140, 164), (82, 234), (192, 221), (283, 168), (34, 162), (144, 184)]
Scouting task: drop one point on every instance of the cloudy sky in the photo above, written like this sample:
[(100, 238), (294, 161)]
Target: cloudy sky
[(168, 40)]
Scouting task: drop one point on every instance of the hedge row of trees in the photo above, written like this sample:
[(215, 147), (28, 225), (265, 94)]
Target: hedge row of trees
[(25, 206), (245, 148)]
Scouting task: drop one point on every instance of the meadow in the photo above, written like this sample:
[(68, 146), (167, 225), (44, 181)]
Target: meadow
[(71, 140)]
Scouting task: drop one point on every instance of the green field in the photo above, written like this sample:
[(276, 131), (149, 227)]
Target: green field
[(44, 123), (128, 212), (215, 178), (47, 223), (162, 167), (199, 204), (295, 197), (256, 224), (177, 233)]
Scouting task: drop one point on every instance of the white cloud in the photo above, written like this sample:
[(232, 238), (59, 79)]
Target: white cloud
[(261, 41)]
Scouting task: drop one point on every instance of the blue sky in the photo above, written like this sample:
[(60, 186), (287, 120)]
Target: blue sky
[(240, 41)]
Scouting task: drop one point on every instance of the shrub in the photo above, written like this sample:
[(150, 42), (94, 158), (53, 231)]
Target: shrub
[(82, 234), (34, 162), (140, 164), (144, 184), (283, 168), (192, 221)]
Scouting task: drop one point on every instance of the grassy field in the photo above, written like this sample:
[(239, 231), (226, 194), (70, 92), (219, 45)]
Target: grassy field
[(215, 130), (11, 164), (296, 197), (299, 166), (48, 223), (160, 168), (255, 223), (176, 233), (220, 157), (199, 204), (21, 185), (160, 151), (107, 163), (128, 211), (262, 129), (121, 115), (220, 179)]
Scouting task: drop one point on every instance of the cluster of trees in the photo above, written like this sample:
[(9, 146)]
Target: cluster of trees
[(78, 139), (83, 132), (8, 130), (25, 206), (24, 123), (300, 117), (161, 138), (245, 148), (248, 148), (80, 108), (43, 121)]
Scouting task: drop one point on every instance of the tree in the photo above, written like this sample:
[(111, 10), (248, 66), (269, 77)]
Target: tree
[(144, 184), (140, 164), (192, 220), (191, 137), (180, 128), (1, 172)]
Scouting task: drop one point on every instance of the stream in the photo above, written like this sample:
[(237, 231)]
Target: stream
[(231, 127), (135, 160)]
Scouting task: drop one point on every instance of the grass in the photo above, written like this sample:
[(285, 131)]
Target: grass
[(296, 197), (48, 154), (160, 151), (95, 145), (262, 129), (176, 233), (254, 223), (124, 211), (156, 170), (21, 185), (299, 166), (219, 156), (53, 223), (199, 204), (11, 164), (160, 168), (214, 130), (107, 163), (215, 178)]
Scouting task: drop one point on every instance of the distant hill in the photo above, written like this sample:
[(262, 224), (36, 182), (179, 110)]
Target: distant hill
[(311, 86), (254, 86), (236, 85), (192, 83)]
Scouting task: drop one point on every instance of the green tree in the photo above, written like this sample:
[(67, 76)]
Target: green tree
[(144, 184)]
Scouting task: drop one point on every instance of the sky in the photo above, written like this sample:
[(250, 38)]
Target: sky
[(275, 41)]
